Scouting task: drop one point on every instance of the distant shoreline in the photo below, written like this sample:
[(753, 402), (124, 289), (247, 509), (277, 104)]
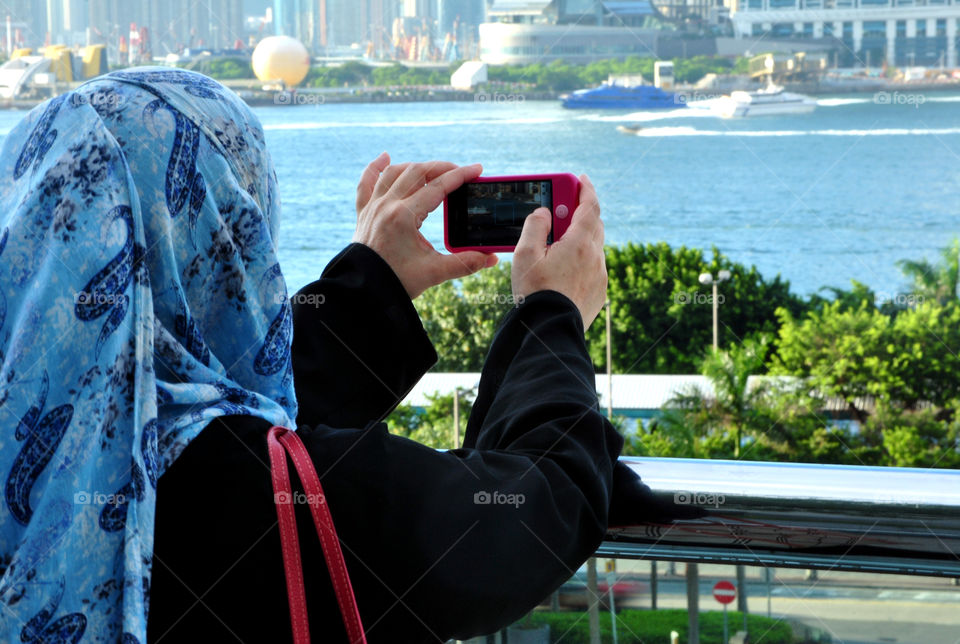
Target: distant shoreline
[(501, 95)]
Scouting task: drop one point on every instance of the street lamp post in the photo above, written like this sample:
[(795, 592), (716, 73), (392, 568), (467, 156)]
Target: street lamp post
[(707, 279)]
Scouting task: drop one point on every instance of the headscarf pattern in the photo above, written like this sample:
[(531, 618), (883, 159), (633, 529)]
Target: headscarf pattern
[(140, 297)]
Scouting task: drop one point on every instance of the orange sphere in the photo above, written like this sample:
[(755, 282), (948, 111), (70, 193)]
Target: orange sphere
[(281, 58)]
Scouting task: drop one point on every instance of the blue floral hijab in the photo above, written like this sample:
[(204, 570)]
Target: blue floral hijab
[(140, 297)]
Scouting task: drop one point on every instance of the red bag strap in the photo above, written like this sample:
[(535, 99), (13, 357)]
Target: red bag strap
[(280, 442)]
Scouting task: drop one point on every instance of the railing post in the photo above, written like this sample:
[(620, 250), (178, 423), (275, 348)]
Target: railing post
[(693, 603)]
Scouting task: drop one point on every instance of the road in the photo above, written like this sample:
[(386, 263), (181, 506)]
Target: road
[(853, 608)]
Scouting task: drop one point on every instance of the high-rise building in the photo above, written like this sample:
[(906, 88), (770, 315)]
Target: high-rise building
[(348, 23), (465, 12), (304, 20), (66, 22), (870, 32), (171, 25), (324, 25), (29, 17), (419, 9)]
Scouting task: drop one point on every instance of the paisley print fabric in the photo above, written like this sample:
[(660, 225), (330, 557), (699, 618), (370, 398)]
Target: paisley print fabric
[(140, 297)]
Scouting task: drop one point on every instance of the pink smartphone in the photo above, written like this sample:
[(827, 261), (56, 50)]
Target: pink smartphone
[(487, 214)]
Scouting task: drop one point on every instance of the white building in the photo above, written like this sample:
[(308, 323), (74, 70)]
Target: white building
[(898, 32), (576, 31)]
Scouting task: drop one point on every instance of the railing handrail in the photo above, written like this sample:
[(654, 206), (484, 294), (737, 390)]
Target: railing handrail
[(844, 517)]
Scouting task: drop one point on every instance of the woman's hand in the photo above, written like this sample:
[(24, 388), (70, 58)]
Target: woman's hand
[(392, 203), (574, 265)]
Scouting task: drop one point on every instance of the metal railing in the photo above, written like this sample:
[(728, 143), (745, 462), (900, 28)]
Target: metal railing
[(835, 517)]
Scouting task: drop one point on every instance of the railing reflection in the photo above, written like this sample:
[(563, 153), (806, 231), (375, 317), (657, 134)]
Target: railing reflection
[(871, 519)]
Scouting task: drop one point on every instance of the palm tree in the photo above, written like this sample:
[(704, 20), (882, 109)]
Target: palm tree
[(731, 408), (936, 282)]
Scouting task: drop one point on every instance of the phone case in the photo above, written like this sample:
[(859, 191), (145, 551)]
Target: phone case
[(566, 192)]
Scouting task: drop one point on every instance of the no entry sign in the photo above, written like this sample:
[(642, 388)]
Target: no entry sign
[(724, 592)]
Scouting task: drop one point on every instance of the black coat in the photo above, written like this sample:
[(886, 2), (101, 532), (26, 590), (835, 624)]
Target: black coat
[(428, 559)]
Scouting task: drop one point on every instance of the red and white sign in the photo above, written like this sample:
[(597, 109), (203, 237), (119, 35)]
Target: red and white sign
[(724, 592)]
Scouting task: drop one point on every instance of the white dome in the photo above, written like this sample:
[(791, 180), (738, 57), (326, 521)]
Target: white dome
[(281, 58)]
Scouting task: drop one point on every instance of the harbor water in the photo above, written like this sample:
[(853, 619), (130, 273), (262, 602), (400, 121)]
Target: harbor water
[(839, 194)]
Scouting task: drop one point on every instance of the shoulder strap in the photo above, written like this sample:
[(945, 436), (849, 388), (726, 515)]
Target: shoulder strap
[(280, 442)]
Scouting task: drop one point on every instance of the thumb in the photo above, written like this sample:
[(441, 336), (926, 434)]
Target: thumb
[(536, 228), (461, 264)]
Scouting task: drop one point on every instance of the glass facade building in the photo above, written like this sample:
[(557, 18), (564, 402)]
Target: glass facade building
[(871, 32)]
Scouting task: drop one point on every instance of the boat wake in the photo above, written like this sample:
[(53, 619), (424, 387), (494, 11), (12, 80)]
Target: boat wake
[(690, 131), (842, 102), (646, 117)]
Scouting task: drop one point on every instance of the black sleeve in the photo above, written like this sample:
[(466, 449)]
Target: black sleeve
[(461, 543), (358, 344), (438, 544)]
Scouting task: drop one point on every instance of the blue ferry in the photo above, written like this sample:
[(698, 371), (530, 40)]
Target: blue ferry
[(638, 97)]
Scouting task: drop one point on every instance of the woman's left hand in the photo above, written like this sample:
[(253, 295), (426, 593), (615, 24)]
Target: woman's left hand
[(392, 203)]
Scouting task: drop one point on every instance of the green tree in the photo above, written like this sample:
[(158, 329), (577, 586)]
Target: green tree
[(226, 68), (845, 352), (461, 316), (661, 316), (935, 282), (432, 426), (713, 424), (899, 377)]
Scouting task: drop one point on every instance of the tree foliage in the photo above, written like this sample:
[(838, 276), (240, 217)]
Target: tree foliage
[(461, 316), (225, 68), (661, 316), (938, 282), (556, 76), (899, 377), (894, 366), (561, 76), (432, 426)]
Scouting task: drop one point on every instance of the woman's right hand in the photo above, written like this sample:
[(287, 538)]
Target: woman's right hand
[(392, 203), (574, 265)]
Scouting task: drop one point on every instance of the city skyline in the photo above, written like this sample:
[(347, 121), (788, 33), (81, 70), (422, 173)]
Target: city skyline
[(174, 25)]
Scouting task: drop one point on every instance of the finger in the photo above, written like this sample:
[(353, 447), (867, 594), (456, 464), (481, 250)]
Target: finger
[(587, 215), (388, 177), (589, 208), (536, 227), (369, 179), (419, 174), (427, 198), (598, 233), (448, 267)]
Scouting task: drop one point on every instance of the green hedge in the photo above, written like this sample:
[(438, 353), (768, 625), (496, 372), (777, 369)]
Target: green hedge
[(646, 627)]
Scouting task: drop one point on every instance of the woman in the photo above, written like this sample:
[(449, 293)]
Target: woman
[(148, 345)]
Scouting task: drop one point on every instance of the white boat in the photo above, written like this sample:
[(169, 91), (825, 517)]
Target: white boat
[(764, 102)]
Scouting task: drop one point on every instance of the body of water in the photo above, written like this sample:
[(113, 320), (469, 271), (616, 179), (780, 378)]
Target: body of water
[(839, 194)]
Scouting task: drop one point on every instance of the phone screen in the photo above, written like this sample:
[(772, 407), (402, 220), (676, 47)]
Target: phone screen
[(492, 213)]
